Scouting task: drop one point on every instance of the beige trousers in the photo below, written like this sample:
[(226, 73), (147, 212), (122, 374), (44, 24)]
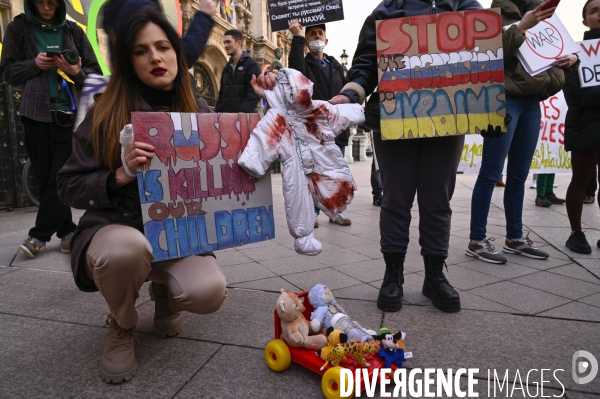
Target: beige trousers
[(119, 260)]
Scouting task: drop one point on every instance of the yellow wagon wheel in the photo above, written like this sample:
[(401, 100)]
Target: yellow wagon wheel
[(277, 355), (330, 384)]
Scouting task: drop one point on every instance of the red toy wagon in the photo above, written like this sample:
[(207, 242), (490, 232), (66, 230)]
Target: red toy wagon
[(279, 355)]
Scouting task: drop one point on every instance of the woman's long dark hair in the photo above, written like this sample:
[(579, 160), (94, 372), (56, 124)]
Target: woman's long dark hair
[(122, 96)]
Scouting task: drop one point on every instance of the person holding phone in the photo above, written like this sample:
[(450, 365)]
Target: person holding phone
[(51, 58), (523, 95)]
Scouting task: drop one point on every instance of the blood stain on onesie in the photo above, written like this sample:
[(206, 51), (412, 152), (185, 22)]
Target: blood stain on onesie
[(278, 132), (304, 98), (342, 196)]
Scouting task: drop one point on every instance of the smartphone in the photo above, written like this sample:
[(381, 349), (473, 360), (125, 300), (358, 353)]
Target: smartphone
[(552, 3)]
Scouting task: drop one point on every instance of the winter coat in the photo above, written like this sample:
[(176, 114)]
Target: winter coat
[(84, 184), (363, 74), (299, 132), (518, 82), (308, 66), (18, 66), (116, 13), (235, 93), (582, 125)]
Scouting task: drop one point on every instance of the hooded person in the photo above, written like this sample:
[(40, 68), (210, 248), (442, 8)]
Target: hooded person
[(300, 133), (50, 57)]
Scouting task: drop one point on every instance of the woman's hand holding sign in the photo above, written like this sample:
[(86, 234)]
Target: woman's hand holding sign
[(134, 154)]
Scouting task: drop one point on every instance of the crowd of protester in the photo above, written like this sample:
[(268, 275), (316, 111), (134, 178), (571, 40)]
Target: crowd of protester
[(87, 168)]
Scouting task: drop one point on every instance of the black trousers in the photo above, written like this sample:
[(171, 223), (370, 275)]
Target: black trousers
[(375, 181), (426, 167), (49, 147)]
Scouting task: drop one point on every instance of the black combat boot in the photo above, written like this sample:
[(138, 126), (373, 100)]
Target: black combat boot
[(390, 293), (436, 286)]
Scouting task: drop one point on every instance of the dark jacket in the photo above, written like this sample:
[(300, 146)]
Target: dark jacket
[(363, 74), (518, 82), (19, 52), (321, 90), (83, 184), (116, 13), (235, 93), (582, 125)]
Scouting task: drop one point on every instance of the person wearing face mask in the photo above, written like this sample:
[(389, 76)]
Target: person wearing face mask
[(327, 75), (582, 136)]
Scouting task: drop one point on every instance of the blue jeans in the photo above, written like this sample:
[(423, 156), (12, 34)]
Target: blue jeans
[(519, 144)]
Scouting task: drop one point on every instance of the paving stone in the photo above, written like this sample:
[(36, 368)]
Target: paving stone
[(5, 270), (558, 285), (471, 301), (505, 271), (245, 318), (370, 250), (591, 265), (250, 378), (575, 311), (540, 264), (273, 284), (273, 252), (512, 295), (293, 264), (593, 300), (363, 291), (366, 271), (330, 277), (495, 341), (466, 279), (576, 271), (51, 296), (580, 395), (246, 272), (341, 257), (232, 257), (48, 359)]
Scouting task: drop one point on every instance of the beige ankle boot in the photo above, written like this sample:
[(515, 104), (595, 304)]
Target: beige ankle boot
[(168, 321), (118, 362)]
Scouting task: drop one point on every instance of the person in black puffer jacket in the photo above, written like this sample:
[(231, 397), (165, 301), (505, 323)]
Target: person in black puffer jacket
[(582, 135), (235, 93), (424, 166)]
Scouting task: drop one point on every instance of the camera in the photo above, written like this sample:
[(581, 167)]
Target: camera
[(71, 56)]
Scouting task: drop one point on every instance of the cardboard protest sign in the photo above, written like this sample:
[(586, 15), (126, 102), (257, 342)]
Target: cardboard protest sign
[(589, 68), (195, 198), (544, 43), (309, 12), (550, 155), (441, 75)]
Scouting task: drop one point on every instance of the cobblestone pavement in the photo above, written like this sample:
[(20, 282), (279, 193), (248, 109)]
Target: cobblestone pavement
[(527, 314)]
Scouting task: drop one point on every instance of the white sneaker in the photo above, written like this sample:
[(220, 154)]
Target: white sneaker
[(341, 220), (534, 183)]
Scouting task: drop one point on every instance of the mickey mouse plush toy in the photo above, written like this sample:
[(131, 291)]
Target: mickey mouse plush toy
[(392, 347)]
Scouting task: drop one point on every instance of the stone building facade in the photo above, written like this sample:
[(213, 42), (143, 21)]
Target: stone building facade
[(248, 16)]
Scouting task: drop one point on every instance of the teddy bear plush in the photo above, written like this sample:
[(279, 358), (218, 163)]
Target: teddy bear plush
[(334, 337), (294, 326), (321, 298)]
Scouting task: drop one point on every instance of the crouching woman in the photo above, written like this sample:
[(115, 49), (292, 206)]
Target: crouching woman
[(110, 253)]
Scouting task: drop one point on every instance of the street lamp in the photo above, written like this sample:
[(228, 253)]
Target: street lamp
[(344, 58)]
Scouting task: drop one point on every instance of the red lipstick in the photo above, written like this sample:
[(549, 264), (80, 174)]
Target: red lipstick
[(158, 71)]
